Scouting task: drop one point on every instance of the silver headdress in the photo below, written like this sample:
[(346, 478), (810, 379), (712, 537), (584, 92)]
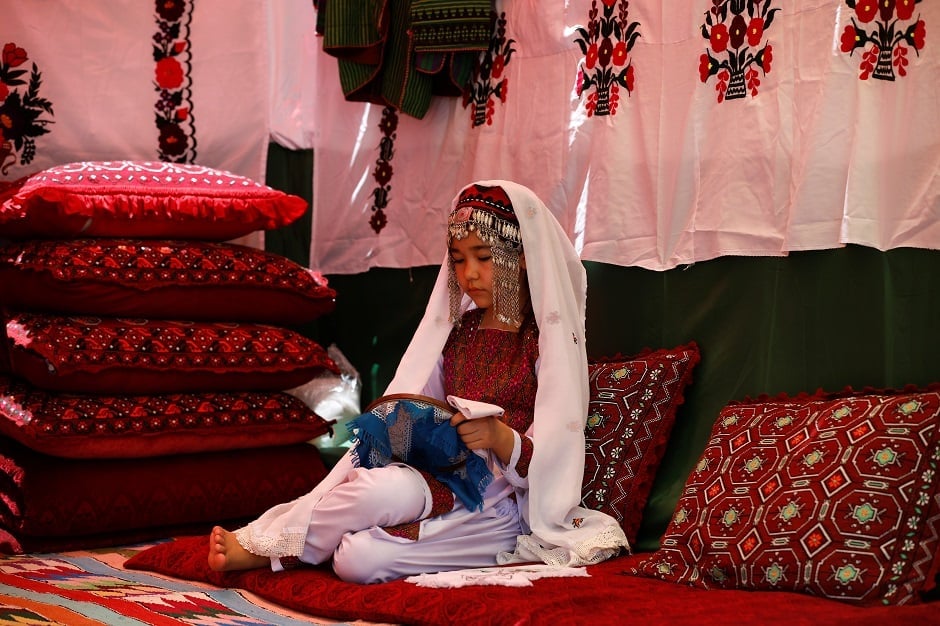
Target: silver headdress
[(488, 212)]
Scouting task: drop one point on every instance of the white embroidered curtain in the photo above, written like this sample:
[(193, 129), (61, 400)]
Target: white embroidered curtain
[(98, 72), (823, 148)]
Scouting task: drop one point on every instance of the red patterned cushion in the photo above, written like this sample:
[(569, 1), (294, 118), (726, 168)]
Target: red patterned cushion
[(106, 427), (65, 504), (833, 495), (143, 199), (162, 279), (630, 416), (123, 356)]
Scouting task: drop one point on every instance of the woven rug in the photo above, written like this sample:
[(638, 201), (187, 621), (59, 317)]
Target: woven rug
[(91, 587)]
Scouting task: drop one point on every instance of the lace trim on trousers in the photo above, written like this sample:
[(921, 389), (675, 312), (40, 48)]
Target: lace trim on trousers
[(285, 544)]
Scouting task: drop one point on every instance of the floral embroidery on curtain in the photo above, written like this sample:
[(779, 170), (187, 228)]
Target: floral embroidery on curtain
[(174, 107), (736, 39), (382, 173), (21, 110), (662, 175), (606, 43), (878, 30), (488, 79)]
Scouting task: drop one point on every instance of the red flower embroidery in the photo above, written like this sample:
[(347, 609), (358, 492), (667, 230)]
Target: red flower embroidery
[(704, 67), (886, 8), (737, 32), (850, 40), (382, 172), (905, 9), (13, 55), (619, 56), (765, 58), (590, 59), (173, 141), (170, 10), (718, 38), (920, 33), (499, 62), (755, 31), (169, 73), (866, 10), (605, 51)]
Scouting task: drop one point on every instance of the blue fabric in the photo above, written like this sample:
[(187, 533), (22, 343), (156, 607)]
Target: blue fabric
[(431, 446)]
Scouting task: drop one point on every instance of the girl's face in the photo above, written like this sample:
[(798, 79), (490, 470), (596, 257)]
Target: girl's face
[(473, 265)]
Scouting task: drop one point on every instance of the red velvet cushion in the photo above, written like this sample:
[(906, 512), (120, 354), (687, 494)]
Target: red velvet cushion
[(143, 199), (604, 598), (71, 503), (120, 356), (630, 416), (162, 279), (834, 495), (105, 427)]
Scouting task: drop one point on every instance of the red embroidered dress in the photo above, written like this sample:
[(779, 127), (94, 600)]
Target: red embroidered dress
[(494, 366), (488, 365)]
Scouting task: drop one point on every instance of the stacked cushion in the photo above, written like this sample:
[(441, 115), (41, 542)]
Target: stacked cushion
[(137, 341), (52, 503), (142, 199), (90, 426), (163, 279), (117, 355)]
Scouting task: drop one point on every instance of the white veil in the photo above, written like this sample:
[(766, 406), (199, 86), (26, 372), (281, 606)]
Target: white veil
[(562, 532)]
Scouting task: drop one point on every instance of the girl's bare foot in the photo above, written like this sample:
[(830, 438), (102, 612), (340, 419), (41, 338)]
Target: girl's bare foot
[(226, 554)]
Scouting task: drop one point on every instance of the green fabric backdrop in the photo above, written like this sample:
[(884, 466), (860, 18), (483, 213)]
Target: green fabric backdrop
[(826, 319)]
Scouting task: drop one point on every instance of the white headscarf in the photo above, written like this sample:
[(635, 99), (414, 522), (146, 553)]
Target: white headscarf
[(562, 532)]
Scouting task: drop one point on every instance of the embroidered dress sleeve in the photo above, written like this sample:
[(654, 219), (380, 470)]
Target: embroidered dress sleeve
[(517, 470)]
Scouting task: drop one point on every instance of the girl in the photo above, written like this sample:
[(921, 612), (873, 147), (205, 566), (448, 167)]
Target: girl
[(504, 325)]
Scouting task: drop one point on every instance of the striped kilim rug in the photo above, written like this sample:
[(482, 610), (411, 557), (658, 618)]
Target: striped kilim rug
[(82, 588)]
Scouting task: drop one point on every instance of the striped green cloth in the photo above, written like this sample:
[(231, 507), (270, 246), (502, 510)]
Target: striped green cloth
[(402, 53)]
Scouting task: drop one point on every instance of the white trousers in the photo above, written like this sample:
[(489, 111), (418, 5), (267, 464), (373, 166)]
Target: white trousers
[(345, 523)]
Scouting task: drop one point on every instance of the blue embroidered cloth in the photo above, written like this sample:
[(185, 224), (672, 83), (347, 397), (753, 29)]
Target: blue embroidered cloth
[(416, 430)]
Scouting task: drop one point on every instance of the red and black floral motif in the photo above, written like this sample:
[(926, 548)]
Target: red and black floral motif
[(20, 112), (735, 30), (174, 108), (383, 169), (883, 49), (606, 44), (488, 80)]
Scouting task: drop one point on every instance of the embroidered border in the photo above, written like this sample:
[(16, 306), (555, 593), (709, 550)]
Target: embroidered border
[(382, 173), (173, 81)]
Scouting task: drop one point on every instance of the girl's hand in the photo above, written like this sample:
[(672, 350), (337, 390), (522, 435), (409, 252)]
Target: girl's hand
[(485, 433)]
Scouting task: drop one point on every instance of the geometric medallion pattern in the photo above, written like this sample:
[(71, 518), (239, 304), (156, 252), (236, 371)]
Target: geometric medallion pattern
[(833, 495)]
